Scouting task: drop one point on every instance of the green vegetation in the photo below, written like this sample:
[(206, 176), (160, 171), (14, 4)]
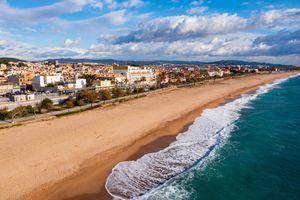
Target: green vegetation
[(90, 79), (118, 93), (4, 61), (88, 96), (105, 95), (4, 114), (69, 103), (46, 104), (50, 85)]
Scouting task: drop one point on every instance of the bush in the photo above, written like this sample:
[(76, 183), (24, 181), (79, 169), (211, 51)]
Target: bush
[(79, 102), (118, 93), (30, 109), (3, 114), (140, 90), (20, 111), (47, 104), (128, 92), (50, 85), (152, 88), (87, 96), (105, 95), (69, 103)]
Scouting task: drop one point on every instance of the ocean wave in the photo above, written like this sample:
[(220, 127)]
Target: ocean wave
[(132, 179)]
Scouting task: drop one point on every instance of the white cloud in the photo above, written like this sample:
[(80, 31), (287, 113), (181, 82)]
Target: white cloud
[(213, 36), (197, 10), (197, 3), (273, 18), (132, 3), (52, 14), (185, 27), (71, 42)]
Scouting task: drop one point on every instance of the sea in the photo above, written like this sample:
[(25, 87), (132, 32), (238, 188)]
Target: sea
[(245, 149)]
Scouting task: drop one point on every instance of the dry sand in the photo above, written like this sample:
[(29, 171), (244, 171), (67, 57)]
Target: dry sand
[(70, 157)]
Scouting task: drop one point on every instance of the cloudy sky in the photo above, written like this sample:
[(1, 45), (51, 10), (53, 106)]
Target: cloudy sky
[(204, 30)]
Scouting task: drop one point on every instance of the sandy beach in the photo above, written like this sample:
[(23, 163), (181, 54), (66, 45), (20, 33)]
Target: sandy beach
[(70, 157)]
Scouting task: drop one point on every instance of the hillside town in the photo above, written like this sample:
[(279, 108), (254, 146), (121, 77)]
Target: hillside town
[(30, 83)]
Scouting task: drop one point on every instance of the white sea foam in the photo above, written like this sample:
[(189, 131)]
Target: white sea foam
[(132, 179)]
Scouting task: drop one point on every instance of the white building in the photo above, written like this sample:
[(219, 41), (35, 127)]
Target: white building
[(137, 74), (80, 83), (43, 81), (76, 84), (22, 97), (104, 84), (30, 97)]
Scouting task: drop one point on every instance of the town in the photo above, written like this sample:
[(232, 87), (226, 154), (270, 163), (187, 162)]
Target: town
[(31, 88)]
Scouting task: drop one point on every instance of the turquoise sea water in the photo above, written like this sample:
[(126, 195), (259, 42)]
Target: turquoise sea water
[(246, 149), (260, 159)]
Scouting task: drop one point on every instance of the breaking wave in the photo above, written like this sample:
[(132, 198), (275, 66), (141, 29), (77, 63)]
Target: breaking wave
[(132, 179)]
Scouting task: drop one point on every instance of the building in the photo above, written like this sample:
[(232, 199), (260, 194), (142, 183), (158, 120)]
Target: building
[(102, 84), (3, 66), (21, 79), (76, 84), (30, 97), (18, 98), (6, 88), (133, 75), (80, 83), (22, 97), (43, 81), (215, 72)]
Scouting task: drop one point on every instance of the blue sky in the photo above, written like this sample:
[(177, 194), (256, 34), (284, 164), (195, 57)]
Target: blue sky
[(204, 30)]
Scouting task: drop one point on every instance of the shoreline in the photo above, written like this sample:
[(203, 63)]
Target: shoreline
[(87, 182)]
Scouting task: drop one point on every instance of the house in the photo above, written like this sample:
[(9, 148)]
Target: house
[(3, 66), (18, 98), (22, 97), (21, 79), (80, 83), (42, 81), (102, 84), (30, 97), (76, 84)]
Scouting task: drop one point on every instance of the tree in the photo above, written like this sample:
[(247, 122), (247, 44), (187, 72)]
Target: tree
[(105, 95), (87, 96), (47, 104), (19, 111), (30, 109), (143, 79), (128, 91), (4, 114), (79, 102), (117, 92), (90, 78), (161, 78), (139, 90), (50, 85), (126, 81), (69, 103)]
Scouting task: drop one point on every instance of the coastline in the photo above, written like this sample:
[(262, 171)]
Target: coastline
[(87, 181)]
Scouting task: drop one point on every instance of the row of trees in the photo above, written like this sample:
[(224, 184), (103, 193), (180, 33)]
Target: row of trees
[(24, 111), (90, 97), (82, 98)]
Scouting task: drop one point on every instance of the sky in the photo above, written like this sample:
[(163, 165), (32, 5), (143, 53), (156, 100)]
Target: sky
[(192, 30)]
